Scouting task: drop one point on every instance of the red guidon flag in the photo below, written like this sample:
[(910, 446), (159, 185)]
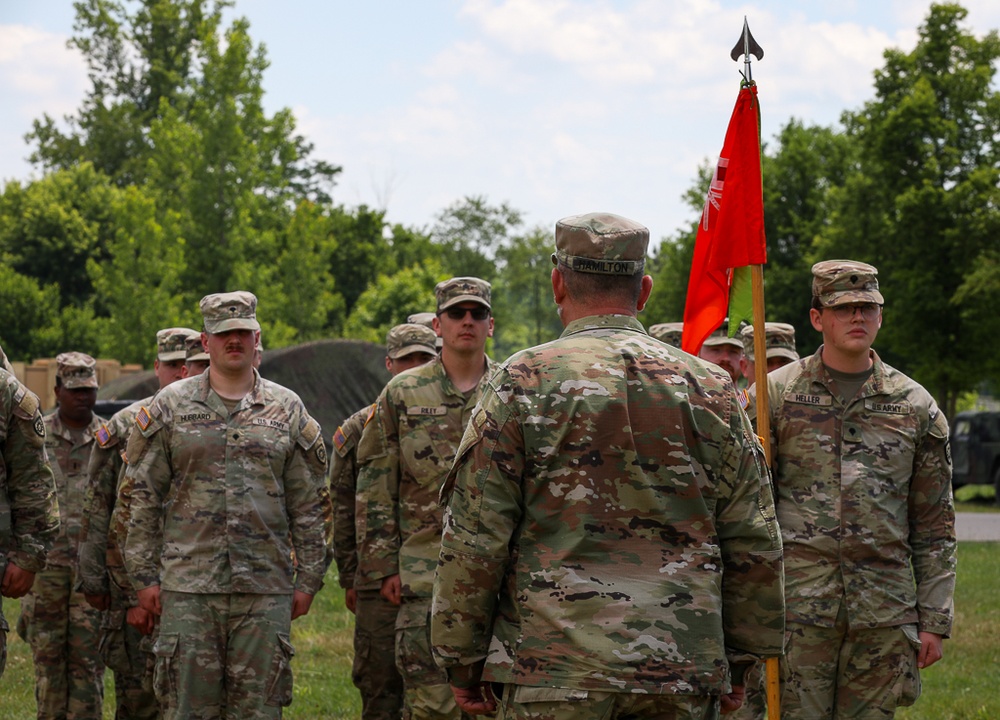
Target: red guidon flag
[(731, 232)]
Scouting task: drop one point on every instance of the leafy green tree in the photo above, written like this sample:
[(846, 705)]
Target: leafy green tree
[(924, 205), (25, 308), (522, 294), (470, 232), (391, 298)]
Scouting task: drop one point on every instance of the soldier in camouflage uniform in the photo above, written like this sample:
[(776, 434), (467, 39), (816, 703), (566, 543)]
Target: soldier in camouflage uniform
[(670, 333), (610, 549), (863, 486), (724, 351), (228, 478), (374, 672), (126, 628), (61, 627), (407, 449), (779, 339), (196, 359), (29, 511)]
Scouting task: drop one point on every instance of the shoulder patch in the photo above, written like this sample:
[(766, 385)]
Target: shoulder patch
[(143, 419), (309, 434), (744, 397), (339, 438), (105, 436), (371, 413)]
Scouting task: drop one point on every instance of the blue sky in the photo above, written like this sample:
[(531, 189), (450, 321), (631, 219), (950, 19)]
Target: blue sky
[(557, 107)]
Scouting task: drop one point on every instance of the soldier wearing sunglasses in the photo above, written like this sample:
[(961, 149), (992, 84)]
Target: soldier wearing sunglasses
[(408, 446)]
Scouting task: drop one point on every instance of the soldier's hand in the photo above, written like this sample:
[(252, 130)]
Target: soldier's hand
[(476, 700), (140, 619), (301, 601), (931, 649), (98, 602), (149, 599), (16, 581), (733, 701), (351, 599), (392, 589)]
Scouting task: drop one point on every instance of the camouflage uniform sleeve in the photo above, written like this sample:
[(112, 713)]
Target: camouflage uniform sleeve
[(98, 503), (310, 512), (483, 511), (932, 528), (31, 490), (377, 518), (148, 472), (117, 536), (753, 598), (343, 489)]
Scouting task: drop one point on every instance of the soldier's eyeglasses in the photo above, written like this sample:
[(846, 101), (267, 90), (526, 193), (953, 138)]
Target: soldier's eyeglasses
[(868, 311), (458, 313)]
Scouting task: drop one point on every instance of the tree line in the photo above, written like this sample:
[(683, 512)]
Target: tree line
[(171, 181)]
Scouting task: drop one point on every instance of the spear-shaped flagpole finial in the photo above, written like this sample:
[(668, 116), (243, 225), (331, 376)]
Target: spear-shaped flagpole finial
[(747, 46)]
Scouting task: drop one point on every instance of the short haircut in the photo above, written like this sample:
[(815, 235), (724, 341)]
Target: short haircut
[(598, 287)]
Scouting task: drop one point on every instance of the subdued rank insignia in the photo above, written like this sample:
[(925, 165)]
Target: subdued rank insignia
[(142, 419), (339, 438), (103, 435)]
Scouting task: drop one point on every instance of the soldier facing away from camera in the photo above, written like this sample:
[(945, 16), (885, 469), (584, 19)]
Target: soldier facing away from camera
[(610, 549)]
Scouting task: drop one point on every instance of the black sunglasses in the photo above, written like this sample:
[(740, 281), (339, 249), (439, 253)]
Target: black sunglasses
[(458, 313)]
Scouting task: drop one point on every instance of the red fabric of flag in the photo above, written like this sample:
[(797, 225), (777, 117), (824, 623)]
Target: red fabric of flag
[(731, 231)]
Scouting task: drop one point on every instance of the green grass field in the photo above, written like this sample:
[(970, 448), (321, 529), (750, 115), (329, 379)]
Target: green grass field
[(960, 687)]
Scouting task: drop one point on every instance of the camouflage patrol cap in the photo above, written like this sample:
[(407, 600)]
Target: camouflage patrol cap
[(839, 282), (194, 350), (721, 337), (425, 318), (670, 333), (601, 243), (230, 311), (462, 289), (410, 338), (76, 370), (171, 343), (779, 338)]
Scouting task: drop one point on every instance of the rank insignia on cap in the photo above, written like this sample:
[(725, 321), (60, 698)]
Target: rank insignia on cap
[(143, 419), (103, 435), (339, 438)]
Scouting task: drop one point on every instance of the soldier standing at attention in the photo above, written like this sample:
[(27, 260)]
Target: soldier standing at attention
[(724, 351), (863, 484), (610, 549), (374, 672), (126, 628), (228, 474), (29, 511), (407, 449), (61, 627)]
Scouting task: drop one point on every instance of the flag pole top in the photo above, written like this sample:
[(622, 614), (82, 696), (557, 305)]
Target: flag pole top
[(747, 46)]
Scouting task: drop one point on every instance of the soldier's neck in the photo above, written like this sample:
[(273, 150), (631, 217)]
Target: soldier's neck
[(231, 386), (465, 370)]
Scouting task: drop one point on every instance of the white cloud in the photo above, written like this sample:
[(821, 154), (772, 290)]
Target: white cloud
[(39, 69)]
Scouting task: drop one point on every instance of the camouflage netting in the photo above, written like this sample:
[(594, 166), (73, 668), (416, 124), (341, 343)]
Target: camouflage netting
[(334, 378)]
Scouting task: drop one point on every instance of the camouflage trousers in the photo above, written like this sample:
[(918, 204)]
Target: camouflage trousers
[(374, 671), (426, 692), (839, 673), (63, 632), (210, 644), (523, 702), (129, 655)]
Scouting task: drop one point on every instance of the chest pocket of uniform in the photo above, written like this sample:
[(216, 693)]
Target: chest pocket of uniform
[(263, 437), (425, 444)]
